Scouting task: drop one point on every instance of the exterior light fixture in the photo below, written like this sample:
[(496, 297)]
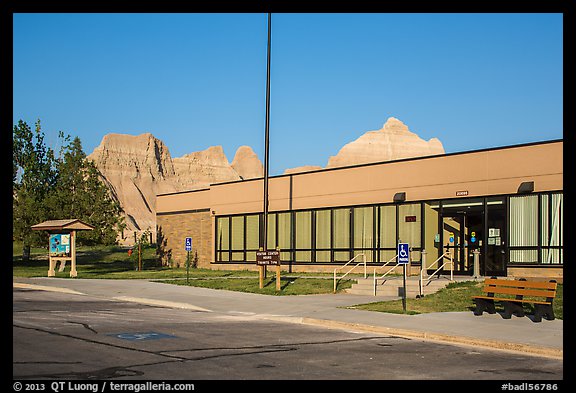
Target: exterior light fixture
[(400, 197), (526, 187)]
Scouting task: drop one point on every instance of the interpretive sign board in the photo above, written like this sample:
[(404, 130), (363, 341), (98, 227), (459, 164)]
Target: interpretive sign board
[(60, 245), (270, 257)]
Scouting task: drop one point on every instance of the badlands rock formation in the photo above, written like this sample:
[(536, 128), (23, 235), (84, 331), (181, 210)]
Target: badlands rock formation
[(199, 169), (304, 168), (247, 164), (137, 168), (392, 142)]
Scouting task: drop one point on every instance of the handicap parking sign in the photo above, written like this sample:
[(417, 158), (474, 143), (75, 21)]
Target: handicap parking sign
[(142, 336), (403, 253), (188, 244)]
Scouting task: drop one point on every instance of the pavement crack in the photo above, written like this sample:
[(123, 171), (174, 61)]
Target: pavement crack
[(282, 345), (85, 325), (105, 373), (87, 340)]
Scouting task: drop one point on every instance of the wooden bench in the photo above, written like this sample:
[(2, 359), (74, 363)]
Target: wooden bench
[(511, 294)]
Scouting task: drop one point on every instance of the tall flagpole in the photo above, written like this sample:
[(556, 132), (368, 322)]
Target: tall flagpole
[(262, 273), (266, 142)]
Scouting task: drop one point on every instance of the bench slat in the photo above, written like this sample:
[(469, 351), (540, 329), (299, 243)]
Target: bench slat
[(519, 283), (519, 291)]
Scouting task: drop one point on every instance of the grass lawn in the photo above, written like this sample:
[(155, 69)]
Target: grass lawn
[(113, 262), (289, 284), (456, 296), (110, 262)]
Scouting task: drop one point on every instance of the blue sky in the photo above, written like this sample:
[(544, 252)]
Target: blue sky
[(197, 80)]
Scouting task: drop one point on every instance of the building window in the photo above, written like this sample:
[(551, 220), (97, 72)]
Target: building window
[(323, 235), (364, 231), (409, 224), (303, 236), (551, 226), (284, 241), (386, 242), (223, 239), (237, 238), (341, 235), (252, 236), (271, 240), (536, 228)]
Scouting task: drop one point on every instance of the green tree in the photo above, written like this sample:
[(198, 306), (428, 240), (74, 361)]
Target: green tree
[(33, 180), (48, 188), (81, 193)]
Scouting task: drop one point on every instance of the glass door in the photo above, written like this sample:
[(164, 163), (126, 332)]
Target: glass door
[(495, 240), (454, 233), (463, 232)]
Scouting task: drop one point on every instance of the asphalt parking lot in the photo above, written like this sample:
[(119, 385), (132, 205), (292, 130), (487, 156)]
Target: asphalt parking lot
[(63, 336)]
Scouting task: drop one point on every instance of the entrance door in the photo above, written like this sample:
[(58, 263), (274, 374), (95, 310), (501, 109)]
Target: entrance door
[(465, 228), (495, 239), (476, 224), (455, 233)]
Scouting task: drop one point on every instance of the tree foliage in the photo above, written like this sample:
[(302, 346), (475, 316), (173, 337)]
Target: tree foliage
[(33, 178), (81, 193), (46, 187)]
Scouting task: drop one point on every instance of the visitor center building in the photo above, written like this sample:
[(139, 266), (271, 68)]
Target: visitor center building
[(506, 203)]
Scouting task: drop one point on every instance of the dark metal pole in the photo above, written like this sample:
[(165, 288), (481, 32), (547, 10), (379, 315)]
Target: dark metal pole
[(266, 142), (404, 287)]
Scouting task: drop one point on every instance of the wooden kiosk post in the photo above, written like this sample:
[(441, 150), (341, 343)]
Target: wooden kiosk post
[(62, 243)]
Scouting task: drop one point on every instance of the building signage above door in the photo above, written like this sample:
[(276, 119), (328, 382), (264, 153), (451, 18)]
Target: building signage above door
[(462, 193)]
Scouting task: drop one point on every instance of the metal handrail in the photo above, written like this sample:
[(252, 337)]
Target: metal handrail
[(354, 267), (422, 279), (385, 274), (380, 267)]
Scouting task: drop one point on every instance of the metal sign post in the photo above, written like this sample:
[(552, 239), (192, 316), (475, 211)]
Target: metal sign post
[(188, 247), (404, 259)]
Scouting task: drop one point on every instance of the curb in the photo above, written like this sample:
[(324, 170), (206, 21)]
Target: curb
[(437, 337), (45, 288)]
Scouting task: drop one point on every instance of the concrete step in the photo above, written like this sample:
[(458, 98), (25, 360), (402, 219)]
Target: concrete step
[(394, 287)]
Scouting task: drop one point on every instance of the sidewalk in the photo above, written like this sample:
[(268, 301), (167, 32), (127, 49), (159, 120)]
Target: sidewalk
[(489, 331)]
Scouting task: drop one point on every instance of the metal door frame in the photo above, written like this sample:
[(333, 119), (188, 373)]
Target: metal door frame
[(460, 247)]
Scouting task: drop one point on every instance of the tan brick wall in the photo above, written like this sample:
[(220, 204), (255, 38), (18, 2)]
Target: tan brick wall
[(285, 266), (543, 273), (176, 227)]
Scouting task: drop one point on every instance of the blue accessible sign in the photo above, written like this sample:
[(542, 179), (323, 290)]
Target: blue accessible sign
[(188, 244), (403, 253), (141, 336)]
